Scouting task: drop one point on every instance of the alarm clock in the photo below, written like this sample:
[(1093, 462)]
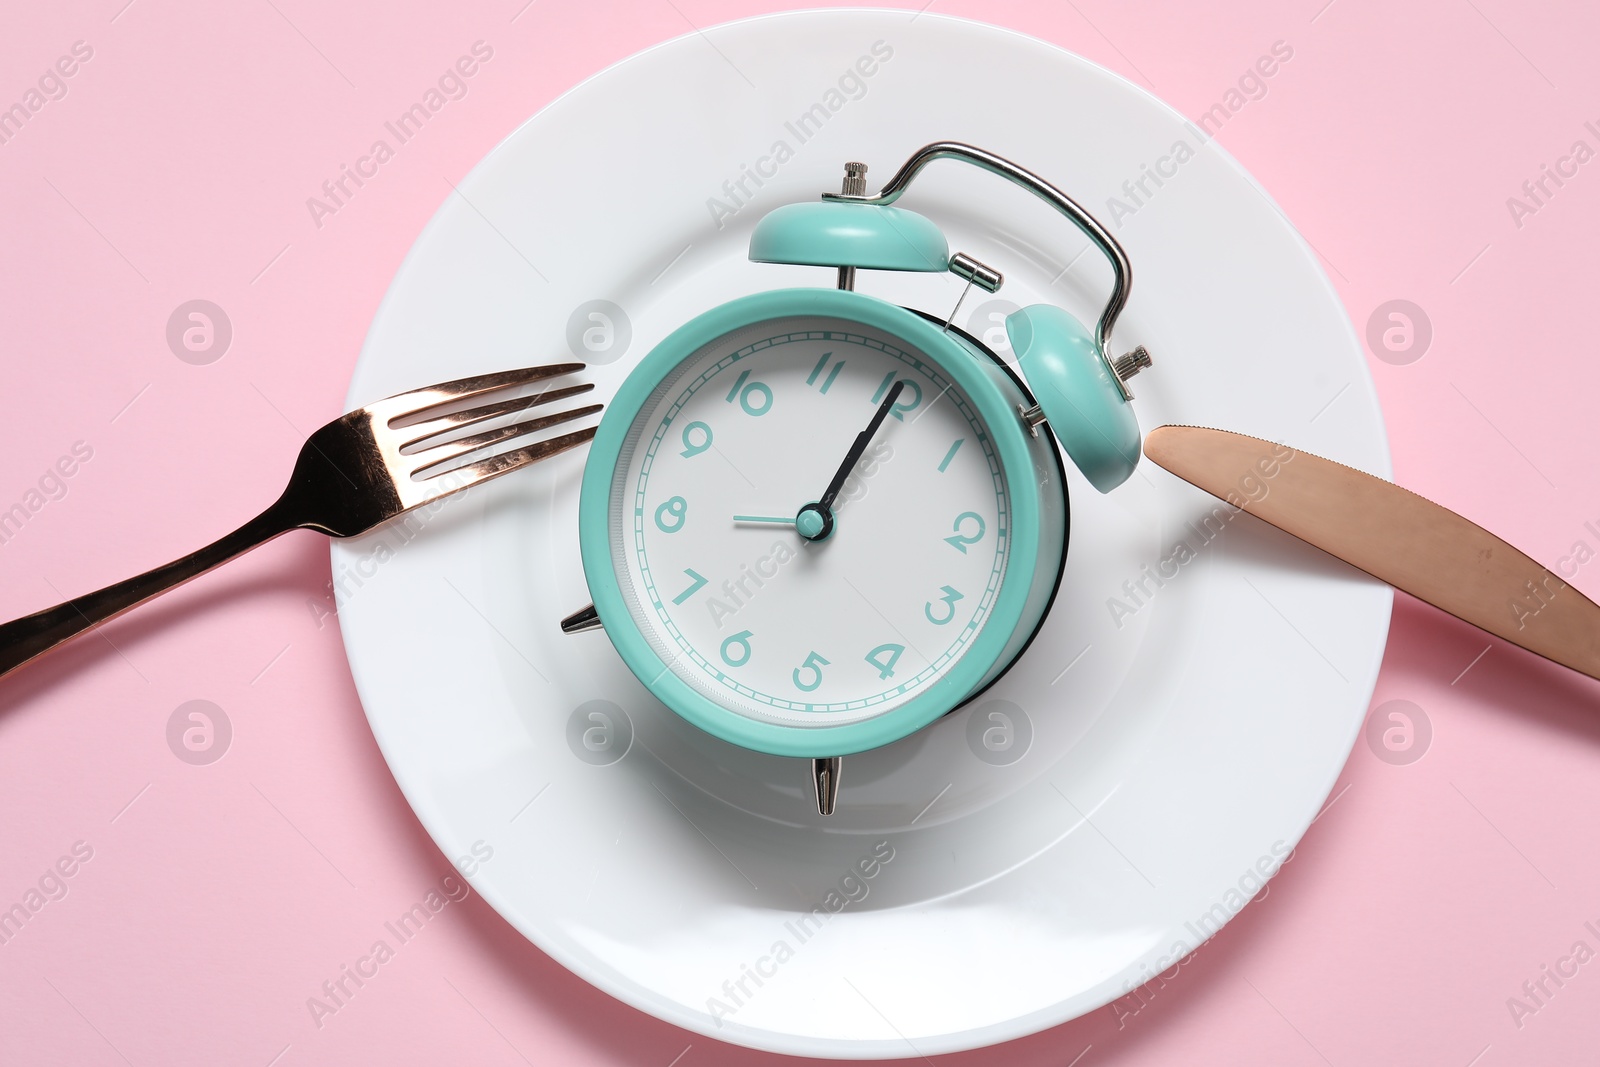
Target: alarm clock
[(813, 521)]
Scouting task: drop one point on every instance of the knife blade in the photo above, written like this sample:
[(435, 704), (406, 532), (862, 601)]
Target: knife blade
[(1394, 535)]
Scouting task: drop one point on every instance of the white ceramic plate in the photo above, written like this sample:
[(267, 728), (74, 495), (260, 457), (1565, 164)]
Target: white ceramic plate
[(1160, 756)]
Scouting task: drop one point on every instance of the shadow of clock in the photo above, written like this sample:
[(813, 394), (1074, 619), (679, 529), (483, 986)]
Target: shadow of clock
[(758, 812)]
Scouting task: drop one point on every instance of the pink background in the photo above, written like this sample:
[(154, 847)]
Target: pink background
[(218, 898)]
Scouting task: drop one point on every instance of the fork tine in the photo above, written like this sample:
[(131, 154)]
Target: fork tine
[(456, 420), (506, 462), (420, 401), (439, 455)]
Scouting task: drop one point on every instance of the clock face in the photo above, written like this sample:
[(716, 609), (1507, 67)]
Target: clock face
[(727, 451)]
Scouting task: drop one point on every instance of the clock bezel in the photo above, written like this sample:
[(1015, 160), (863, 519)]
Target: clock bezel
[(961, 681)]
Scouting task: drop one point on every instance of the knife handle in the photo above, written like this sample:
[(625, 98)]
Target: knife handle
[(1394, 535)]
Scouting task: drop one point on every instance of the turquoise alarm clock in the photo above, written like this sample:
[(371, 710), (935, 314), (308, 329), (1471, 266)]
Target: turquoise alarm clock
[(813, 521)]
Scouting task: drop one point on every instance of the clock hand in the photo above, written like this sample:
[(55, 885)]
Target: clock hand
[(814, 521), (773, 519), (863, 439)]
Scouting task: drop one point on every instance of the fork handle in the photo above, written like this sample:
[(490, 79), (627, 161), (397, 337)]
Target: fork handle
[(33, 635)]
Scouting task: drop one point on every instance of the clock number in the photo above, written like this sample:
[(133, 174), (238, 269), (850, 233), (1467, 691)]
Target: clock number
[(960, 541), (675, 510), (740, 640), (949, 599), (755, 398), (950, 455), (813, 664), (700, 581), (910, 397), (832, 374), (884, 657), (691, 447)]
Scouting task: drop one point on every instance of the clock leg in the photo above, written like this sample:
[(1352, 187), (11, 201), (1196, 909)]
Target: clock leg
[(825, 777), (582, 620)]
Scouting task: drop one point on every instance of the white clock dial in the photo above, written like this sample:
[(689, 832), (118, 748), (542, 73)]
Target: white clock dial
[(725, 454)]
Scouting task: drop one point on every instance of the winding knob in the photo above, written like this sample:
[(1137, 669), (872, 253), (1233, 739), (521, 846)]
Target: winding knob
[(1126, 366), (855, 179)]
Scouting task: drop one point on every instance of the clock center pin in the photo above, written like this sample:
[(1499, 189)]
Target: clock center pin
[(814, 522)]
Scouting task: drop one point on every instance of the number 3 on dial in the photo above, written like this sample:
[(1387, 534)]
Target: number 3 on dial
[(949, 600)]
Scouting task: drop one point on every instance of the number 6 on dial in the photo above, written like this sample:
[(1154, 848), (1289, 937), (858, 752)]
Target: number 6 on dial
[(741, 642)]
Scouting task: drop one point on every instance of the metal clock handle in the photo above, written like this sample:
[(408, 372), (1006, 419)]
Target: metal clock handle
[(1122, 271)]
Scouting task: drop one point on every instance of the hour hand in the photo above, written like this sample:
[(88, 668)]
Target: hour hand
[(808, 523)]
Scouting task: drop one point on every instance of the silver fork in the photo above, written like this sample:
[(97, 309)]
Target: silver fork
[(358, 471)]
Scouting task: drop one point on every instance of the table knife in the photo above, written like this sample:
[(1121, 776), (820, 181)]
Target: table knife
[(1394, 535)]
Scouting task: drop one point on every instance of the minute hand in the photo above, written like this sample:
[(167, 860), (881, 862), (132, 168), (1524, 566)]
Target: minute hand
[(863, 439)]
